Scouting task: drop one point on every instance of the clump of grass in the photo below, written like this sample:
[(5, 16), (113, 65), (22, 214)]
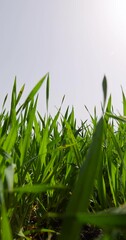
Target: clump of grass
[(56, 177)]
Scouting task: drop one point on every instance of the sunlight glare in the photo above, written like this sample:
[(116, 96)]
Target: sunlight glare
[(120, 11)]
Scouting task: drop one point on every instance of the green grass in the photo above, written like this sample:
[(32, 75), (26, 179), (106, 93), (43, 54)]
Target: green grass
[(55, 177)]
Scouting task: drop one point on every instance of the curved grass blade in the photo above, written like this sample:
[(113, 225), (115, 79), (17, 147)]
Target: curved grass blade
[(32, 93), (118, 118), (20, 94)]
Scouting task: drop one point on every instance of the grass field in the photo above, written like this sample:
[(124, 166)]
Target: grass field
[(58, 179)]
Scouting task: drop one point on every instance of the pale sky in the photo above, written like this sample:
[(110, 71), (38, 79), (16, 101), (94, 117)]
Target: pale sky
[(76, 41)]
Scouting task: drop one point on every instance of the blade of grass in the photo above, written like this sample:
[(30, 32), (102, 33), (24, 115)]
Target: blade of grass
[(80, 199), (5, 99), (32, 93), (13, 104), (74, 145), (26, 141), (20, 94), (37, 188), (124, 103), (5, 226), (47, 91), (41, 163), (104, 220), (104, 87)]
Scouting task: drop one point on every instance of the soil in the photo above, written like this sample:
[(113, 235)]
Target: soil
[(90, 232)]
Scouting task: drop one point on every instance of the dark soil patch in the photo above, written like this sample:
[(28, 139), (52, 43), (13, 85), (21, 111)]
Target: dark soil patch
[(90, 232)]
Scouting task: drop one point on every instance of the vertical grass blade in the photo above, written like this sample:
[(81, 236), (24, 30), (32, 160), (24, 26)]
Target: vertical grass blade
[(26, 141), (104, 87), (124, 103), (5, 226), (80, 199), (74, 145), (41, 163), (47, 92), (13, 105)]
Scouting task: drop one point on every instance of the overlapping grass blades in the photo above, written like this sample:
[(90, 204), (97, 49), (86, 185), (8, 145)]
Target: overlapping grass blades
[(52, 169), (80, 199)]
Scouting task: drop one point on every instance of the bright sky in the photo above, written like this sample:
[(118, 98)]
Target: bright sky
[(76, 41)]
